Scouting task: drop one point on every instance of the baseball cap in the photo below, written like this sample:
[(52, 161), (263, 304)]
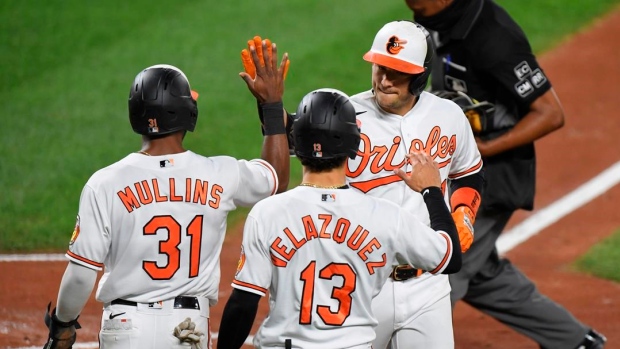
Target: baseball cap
[(399, 45)]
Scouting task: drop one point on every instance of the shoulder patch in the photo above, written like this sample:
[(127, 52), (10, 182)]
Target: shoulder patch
[(76, 231), (241, 262)]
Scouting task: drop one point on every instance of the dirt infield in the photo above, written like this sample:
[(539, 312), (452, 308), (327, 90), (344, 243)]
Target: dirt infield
[(585, 72)]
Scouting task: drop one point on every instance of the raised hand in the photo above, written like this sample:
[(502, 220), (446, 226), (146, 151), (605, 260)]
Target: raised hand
[(263, 54)]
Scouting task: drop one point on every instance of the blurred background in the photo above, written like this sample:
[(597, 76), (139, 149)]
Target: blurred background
[(66, 68)]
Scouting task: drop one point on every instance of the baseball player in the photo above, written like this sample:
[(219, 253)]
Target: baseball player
[(324, 250), (482, 52), (413, 308), (155, 220)]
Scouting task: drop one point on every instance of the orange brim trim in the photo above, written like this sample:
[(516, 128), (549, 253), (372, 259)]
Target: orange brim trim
[(195, 95), (393, 63)]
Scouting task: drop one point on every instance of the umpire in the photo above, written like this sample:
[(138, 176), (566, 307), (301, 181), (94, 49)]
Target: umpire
[(482, 52)]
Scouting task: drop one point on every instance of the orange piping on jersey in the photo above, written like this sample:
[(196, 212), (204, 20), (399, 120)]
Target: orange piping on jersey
[(85, 260), (277, 261), (273, 175), (463, 173), (173, 196), (372, 265), (254, 287), (326, 218), (446, 256), (216, 190), (158, 197)]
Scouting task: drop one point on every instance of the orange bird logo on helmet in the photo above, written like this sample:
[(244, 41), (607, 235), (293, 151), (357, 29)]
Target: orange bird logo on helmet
[(394, 45)]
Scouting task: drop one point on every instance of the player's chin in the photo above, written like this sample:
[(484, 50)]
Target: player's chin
[(387, 100)]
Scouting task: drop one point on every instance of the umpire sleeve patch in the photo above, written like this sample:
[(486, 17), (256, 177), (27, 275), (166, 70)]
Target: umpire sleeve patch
[(522, 70), (538, 78), (524, 88)]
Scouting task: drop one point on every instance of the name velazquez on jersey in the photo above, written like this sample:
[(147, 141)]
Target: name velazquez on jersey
[(356, 240), (192, 190)]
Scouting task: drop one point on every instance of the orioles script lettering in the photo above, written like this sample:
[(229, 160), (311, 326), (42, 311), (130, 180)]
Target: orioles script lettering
[(380, 158)]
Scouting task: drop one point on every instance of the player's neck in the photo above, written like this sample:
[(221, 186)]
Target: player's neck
[(333, 179), (172, 144)]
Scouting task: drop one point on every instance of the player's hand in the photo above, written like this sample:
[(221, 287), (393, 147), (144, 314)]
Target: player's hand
[(262, 75), (246, 58), (61, 334), (464, 220), (424, 172)]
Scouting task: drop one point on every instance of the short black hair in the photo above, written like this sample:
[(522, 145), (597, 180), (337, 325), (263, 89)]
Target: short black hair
[(317, 165)]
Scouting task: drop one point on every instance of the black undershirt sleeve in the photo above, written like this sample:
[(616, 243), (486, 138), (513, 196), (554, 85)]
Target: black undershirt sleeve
[(441, 219), (237, 319), (474, 181)]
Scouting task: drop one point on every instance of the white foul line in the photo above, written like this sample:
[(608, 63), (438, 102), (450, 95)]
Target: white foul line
[(560, 208), (506, 242)]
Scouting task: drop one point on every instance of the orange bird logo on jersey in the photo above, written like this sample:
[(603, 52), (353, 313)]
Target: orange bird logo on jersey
[(76, 231), (241, 261), (394, 45)]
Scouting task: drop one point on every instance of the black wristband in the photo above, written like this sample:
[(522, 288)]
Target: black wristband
[(273, 121), (438, 211)]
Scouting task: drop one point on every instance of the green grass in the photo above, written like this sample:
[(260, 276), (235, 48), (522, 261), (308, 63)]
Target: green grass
[(67, 66), (602, 259)]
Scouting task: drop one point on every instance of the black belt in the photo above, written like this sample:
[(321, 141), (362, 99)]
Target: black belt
[(180, 302), (405, 272)]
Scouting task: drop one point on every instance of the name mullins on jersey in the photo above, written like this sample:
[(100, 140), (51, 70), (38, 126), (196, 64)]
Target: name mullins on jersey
[(380, 158), (146, 192), (356, 239)]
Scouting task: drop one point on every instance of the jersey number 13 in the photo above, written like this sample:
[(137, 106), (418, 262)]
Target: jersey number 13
[(341, 294)]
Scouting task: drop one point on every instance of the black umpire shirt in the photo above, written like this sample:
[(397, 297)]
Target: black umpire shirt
[(487, 55)]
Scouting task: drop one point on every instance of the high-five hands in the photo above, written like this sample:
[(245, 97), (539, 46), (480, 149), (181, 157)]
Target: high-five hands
[(261, 72)]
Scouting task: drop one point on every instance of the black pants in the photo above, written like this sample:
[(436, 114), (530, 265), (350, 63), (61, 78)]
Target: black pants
[(496, 287)]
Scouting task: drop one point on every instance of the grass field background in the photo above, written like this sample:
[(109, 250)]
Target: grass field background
[(67, 67)]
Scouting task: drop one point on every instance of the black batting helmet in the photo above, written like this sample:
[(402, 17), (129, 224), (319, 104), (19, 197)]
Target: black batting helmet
[(161, 101), (326, 126), (407, 47)]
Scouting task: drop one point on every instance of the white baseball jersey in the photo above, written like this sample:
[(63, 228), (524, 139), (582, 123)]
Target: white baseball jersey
[(434, 125), (323, 254), (157, 223)]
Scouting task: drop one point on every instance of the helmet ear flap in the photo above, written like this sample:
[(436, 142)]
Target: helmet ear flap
[(419, 81)]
